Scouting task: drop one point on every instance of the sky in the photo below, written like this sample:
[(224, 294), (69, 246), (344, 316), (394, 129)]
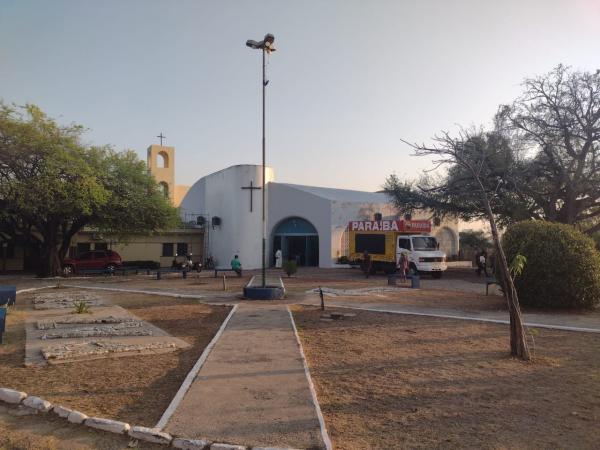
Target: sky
[(348, 81)]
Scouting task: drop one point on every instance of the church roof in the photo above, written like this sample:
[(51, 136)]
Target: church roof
[(341, 195)]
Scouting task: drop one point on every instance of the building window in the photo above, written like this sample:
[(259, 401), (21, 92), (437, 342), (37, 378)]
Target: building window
[(100, 246), (83, 247), (182, 248), (372, 243), (167, 249)]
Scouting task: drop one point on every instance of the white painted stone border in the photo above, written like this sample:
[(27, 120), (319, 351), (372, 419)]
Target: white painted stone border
[(192, 374), (476, 319), (136, 291), (22, 291), (311, 386)]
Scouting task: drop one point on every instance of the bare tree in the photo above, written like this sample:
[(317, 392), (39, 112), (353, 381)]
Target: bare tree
[(557, 121), (472, 151)]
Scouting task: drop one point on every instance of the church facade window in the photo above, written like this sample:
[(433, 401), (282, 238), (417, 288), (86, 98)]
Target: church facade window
[(167, 249), (182, 248)]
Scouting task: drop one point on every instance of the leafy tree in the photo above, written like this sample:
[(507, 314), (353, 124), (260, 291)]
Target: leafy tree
[(475, 158), (52, 185), (474, 239)]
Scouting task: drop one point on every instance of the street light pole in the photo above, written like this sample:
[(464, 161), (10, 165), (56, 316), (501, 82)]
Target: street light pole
[(266, 45), (264, 178)]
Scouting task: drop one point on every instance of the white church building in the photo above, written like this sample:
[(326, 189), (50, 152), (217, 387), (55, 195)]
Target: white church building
[(307, 223)]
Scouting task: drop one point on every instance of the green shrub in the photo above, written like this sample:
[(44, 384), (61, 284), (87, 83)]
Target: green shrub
[(290, 267), (81, 307), (562, 268)]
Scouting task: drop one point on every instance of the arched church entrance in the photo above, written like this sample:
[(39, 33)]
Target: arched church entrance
[(298, 240), (447, 242)]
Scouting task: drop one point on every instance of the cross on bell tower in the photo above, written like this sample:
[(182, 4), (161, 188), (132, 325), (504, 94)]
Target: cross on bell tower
[(161, 137)]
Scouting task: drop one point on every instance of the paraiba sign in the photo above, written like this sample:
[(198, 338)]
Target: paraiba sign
[(400, 226)]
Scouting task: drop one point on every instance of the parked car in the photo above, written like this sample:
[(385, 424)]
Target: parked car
[(97, 259)]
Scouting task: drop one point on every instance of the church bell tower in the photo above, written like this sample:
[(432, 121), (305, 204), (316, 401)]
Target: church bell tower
[(161, 164)]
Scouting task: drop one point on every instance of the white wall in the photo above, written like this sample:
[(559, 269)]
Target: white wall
[(220, 195)]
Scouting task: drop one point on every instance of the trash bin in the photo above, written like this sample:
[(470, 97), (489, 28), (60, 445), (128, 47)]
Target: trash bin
[(415, 281), (2, 321), (8, 295)]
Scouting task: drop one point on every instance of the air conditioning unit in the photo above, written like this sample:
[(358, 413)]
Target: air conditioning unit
[(201, 221), (216, 221), (97, 237)]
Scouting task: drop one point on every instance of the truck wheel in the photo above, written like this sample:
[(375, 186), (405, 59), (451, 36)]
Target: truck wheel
[(389, 270), (437, 275)]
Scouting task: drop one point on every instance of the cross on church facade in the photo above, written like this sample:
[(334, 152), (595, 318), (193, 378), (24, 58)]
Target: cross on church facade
[(251, 188), (161, 137)]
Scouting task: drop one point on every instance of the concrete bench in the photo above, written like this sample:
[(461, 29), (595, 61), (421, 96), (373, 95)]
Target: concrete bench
[(226, 269)]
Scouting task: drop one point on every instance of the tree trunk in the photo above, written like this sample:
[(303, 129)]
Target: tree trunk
[(518, 341), (50, 265)]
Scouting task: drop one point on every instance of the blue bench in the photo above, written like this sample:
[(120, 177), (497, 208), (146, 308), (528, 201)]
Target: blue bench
[(118, 270), (159, 272), (8, 295), (226, 269)]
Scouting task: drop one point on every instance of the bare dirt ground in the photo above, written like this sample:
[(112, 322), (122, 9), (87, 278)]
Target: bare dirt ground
[(387, 381), (135, 389), (45, 432)]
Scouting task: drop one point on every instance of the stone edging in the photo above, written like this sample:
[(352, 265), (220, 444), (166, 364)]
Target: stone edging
[(37, 405), (475, 319)]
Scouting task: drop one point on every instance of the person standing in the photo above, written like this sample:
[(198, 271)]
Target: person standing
[(482, 263), (367, 264), (278, 257), (403, 266)]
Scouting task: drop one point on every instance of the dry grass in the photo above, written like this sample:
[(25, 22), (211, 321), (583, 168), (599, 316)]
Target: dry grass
[(388, 381), (134, 389)]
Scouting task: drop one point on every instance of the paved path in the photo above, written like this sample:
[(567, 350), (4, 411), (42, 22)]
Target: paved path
[(577, 322), (252, 389)]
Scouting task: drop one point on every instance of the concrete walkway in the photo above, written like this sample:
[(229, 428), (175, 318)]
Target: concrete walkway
[(575, 322), (252, 389)]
